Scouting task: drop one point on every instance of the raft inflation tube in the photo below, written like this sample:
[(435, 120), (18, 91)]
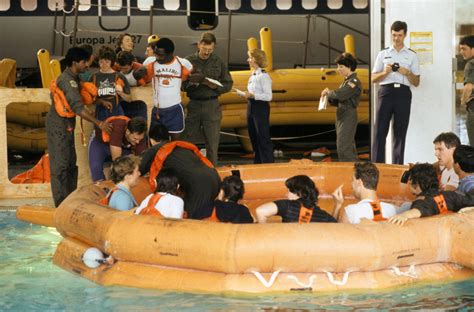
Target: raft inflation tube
[(192, 255)]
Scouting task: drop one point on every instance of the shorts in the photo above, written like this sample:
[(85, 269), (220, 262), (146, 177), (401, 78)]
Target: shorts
[(171, 117)]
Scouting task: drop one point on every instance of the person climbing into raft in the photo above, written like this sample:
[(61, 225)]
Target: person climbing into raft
[(164, 202), (301, 205), (364, 186), (197, 177), (126, 137), (124, 173), (226, 206), (424, 184)]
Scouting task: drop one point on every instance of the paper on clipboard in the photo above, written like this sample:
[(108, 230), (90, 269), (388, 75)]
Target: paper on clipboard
[(239, 92), (323, 103), (213, 81)]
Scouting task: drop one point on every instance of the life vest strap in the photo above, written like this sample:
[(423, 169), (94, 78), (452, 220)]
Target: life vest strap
[(150, 209), (305, 214), (441, 203), (377, 210)]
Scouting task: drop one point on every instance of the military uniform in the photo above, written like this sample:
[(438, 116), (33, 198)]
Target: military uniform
[(469, 78), (394, 100), (346, 98), (60, 135), (203, 107)]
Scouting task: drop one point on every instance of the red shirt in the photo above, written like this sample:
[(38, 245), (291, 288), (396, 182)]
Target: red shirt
[(118, 138)]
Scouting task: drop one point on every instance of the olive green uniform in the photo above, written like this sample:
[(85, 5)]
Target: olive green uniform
[(203, 108), (60, 134), (346, 98), (469, 78)]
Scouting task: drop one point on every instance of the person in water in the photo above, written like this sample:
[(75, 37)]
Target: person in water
[(124, 173), (164, 201), (227, 207), (424, 184), (301, 205)]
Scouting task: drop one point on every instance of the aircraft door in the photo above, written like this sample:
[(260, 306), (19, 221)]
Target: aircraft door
[(203, 15)]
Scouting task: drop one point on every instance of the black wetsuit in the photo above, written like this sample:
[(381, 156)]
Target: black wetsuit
[(200, 183), (454, 201)]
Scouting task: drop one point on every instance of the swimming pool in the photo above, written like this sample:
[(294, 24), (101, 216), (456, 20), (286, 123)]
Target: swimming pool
[(29, 281)]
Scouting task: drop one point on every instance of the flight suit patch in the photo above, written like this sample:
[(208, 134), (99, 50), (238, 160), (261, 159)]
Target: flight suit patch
[(73, 83)]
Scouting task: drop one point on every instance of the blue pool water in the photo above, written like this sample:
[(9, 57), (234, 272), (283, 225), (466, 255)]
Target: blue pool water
[(30, 282)]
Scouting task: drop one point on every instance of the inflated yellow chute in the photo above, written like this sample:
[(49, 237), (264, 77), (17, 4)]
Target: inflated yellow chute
[(55, 68), (44, 60), (24, 138), (349, 45), (7, 73), (266, 42)]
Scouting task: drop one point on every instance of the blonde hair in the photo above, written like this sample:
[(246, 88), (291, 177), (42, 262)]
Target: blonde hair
[(123, 166), (260, 57)]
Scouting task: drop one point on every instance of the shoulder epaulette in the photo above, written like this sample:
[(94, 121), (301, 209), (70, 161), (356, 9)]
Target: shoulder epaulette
[(386, 48), (412, 50), (264, 71)]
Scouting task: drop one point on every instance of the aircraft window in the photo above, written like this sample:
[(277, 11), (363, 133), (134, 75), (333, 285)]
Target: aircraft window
[(309, 4), (84, 5), (335, 4), (171, 4), (144, 5), (4, 5), (52, 4), (258, 4), (232, 4), (113, 5), (284, 4), (29, 5), (360, 4)]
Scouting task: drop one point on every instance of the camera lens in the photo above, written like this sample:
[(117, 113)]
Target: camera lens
[(395, 67)]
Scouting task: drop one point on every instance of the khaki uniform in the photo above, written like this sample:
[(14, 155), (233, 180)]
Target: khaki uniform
[(346, 98), (60, 135), (204, 109), (469, 78)]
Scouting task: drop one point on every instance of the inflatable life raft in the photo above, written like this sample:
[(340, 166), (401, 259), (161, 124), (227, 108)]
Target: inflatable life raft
[(192, 255)]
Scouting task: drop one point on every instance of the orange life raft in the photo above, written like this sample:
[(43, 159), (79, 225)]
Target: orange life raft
[(191, 255)]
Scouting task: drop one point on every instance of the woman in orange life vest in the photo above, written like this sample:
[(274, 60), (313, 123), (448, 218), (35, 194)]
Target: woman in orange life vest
[(226, 207), (424, 183), (301, 205), (124, 173), (112, 87), (164, 201)]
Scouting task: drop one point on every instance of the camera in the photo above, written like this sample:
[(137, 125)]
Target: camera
[(405, 177), (395, 67)]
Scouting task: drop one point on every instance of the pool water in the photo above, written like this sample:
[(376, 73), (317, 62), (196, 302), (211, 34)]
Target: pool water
[(30, 282)]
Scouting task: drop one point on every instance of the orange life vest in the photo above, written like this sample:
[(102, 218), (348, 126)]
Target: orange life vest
[(377, 210), (105, 135), (61, 104), (213, 217), (305, 215), (40, 173), (88, 92), (106, 199), (163, 153), (150, 209), (441, 203)]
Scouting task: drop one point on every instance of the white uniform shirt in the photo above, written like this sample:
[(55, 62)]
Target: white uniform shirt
[(448, 177), (406, 58), (167, 80), (363, 209), (170, 206), (260, 85)]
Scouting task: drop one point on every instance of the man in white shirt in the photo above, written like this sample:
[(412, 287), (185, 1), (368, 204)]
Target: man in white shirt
[(396, 69), (364, 186), (444, 145), (167, 75)]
